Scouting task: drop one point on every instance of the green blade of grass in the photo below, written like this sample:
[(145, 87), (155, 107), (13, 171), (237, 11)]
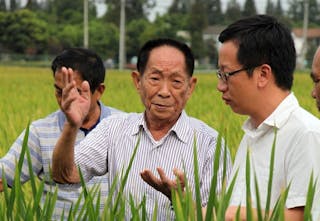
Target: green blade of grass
[(307, 216), (270, 180), (259, 210), (212, 194), (248, 188), (125, 177), (196, 178), (226, 198)]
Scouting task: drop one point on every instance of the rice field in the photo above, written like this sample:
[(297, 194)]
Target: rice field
[(27, 94)]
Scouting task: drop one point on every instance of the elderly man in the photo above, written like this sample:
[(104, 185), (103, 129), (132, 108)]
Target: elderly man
[(167, 134)]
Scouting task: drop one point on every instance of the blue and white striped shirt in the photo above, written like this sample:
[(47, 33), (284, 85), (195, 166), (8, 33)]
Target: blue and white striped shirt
[(43, 136), (109, 147)]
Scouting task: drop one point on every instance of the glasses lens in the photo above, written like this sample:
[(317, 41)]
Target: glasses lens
[(221, 76)]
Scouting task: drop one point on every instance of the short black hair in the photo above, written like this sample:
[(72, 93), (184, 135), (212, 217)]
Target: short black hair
[(264, 40), (145, 50), (85, 61)]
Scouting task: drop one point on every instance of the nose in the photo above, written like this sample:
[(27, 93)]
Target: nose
[(164, 90), (222, 86)]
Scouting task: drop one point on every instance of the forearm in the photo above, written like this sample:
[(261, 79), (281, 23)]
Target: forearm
[(64, 169), (294, 214)]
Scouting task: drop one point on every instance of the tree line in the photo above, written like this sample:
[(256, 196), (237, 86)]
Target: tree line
[(48, 26)]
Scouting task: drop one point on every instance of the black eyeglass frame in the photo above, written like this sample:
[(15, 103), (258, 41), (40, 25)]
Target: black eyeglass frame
[(224, 76)]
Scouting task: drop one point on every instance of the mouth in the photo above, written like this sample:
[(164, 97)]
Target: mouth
[(226, 100), (161, 105)]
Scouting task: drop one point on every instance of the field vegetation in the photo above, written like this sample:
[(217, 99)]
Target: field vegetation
[(27, 94)]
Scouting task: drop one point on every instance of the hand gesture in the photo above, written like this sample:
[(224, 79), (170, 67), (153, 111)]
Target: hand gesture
[(75, 102), (164, 184)]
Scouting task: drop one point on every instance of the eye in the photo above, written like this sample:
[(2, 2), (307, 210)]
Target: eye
[(58, 92), (177, 83)]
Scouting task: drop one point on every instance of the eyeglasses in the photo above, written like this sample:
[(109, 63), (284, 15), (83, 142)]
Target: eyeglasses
[(224, 76)]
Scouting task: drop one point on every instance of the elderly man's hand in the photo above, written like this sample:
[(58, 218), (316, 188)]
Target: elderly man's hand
[(75, 102), (164, 184)]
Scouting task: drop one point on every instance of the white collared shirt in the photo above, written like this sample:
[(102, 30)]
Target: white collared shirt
[(297, 153)]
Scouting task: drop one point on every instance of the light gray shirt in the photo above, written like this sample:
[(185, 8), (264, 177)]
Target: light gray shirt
[(109, 147)]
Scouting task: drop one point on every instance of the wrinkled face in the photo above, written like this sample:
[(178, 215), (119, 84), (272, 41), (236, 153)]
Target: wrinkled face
[(315, 76), (165, 86), (239, 88), (58, 85)]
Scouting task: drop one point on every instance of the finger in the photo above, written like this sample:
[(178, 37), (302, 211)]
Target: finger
[(180, 175), (70, 75), (162, 174), (166, 180), (151, 179), (85, 89), (64, 76)]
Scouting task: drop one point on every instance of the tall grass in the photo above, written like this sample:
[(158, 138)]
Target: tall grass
[(185, 207)]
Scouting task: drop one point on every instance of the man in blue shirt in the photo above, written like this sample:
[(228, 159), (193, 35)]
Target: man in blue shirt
[(44, 133)]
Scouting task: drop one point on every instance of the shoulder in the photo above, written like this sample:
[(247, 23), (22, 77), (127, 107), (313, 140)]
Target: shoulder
[(107, 111), (48, 121), (202, 128), (307, 122), (121, 119)]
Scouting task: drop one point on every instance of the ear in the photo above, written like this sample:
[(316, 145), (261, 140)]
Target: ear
[(192, 85), (100, 90), (136, 78), (265, 75)]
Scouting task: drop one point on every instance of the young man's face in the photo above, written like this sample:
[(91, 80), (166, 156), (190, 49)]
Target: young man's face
[(58, 84), (239, 88)]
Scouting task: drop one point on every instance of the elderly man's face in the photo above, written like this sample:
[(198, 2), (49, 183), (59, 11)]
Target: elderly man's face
[(165, 86)]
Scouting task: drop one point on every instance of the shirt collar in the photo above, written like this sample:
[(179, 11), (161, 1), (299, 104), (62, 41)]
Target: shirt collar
[(105, 112), (278, 117), (181, 128)]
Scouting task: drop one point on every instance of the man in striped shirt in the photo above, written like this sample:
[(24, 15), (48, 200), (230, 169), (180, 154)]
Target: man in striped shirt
[(44, 133), (167, 134)]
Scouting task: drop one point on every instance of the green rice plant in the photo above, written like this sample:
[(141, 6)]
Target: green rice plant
[(248, 189), (310, 197), (16, 205), (271, 168), (183, 204)]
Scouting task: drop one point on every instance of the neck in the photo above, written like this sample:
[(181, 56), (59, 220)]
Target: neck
[(267, 106), (159, 129), (92, 117)]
